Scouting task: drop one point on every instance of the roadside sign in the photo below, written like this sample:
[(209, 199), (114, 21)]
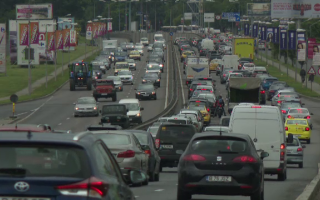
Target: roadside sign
[(14, 98), (312, 71), (171, 33), (218, 17)]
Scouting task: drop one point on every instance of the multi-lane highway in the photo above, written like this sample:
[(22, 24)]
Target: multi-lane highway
[(57, 110)]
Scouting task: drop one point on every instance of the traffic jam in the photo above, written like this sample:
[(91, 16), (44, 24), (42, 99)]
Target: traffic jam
[(238, 124)]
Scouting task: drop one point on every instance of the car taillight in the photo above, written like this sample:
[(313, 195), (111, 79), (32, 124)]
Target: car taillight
[(282, 146), (147, 152), (224, 75), (279, 101), (255, 106), (157, 143), (126, 154), (299, 149), (194, 157), (307, 117), (278, 95), (283, 111), (91, 187), (262, 92), (191, 90), (208, 109), (245, 159), (286, 128), (282, 153), (289, 116), (282, 156), (307, 129)]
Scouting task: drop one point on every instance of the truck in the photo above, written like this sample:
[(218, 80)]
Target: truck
[(230, 61), (196, 66), (243, 47), (109, 45), (245, 90)]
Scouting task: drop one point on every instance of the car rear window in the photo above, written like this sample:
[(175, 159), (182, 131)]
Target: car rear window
[(301, 111), (153, 130), (176, 131), (295, 142), (297, 122), (219, 145), (290, 105), (116, 139), (177, 121), (142, 137), (44, 160)]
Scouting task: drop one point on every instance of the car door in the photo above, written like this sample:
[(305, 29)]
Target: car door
[(142, 156)]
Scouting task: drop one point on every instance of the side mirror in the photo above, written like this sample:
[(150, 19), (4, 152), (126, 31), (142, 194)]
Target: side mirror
[(264, 155), (303, 104), (180, 152), (304, 146), (141, 108), (133, 177), (145, 147), (311, 113), (290, 138)]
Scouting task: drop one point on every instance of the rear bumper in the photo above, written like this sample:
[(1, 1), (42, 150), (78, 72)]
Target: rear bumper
[(294, 158), (150, 96), (104, 95), (169, 160), (278, 170)]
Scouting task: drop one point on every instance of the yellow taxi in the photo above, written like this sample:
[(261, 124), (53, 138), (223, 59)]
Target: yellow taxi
[(214, 64), (299, 128), (135, 55), (185, 54), (205, 114)]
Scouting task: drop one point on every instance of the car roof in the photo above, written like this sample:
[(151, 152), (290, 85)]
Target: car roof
[(129, 101), (22, 127)]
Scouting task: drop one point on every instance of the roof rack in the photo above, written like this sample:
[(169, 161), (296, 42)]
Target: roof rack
[(80, 135)]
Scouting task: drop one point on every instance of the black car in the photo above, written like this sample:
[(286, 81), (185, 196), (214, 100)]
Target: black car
[(97, 74), (147, 142), (170, 138), (51, 165), (151, 78), (221, 164), (146, 91), (115, 114)]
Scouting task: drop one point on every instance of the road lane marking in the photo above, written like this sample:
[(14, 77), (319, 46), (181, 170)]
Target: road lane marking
[(21, 114), (159, 190), (167, 87), (181, 85), (59, 124), (68, 118)]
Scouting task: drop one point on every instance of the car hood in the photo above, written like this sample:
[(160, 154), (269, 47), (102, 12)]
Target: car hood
[(133, 112), (85, 105)]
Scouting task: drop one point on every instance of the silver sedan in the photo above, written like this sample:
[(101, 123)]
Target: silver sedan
[(86, 106), (295, 152)]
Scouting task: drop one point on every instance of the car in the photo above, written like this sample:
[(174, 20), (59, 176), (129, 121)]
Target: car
[(295, 152), (179, 119), (225, 121), (86, 106), (153, 68), (185, 54), (287, 105), (273, 89), (129, 46), (170, 138), (213, 163), (135, 55), (204, 112), (104, 88), (42, 128), (224, 75), (118, 85), (210, 97), (146, 91), (126, 77), (97, 74), (132, 64), (249, 67), (259, 70), (156, 60), (153, 129), (193, 86), (277, 100), (200, 101), (159, 52), (151, 78), (194, 120), (79, 160), (134, 110), (300, 113), (115, 114), (202, 89), (140, 49), (299, 128), (98, 65), (100, 127), (144, 41), (126, 149), (267, 81), (150, 47), (147, 142), (121, 66), (196, 113), (120, 57)]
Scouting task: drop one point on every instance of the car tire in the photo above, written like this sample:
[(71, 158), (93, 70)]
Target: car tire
[(114, 98), (300, 165), (152, 176), (258, 195), (155, 98), (282, 176), (308, 141), (157, 177), (182, 195)]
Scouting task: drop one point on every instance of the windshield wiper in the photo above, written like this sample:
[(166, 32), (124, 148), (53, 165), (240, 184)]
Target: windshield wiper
[(228, 152), (13, 171)]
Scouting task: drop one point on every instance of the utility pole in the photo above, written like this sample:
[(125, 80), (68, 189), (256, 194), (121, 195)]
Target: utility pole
[(155, 17), (119, 14), (29, 65), (129, 15)]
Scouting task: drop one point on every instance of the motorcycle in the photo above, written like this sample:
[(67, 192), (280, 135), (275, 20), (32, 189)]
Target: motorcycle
[(220, 111)]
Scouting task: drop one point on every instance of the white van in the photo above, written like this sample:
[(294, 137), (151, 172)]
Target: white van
[(264, 124), (230, 61), (134, 113), (157, 36), (207, 44)]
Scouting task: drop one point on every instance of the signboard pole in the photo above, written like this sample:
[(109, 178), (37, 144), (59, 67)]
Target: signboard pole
[(46, 52), (55, 55), (13, 109)]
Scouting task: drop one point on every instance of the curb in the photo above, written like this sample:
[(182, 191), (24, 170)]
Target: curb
[(311, 190), (310, 98)]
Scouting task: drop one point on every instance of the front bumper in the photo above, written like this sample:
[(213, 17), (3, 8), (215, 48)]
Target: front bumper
[(125, 81), (148, 96), (86, 112)]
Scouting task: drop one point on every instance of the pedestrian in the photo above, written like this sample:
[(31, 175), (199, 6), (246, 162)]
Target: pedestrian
[(303, 75)]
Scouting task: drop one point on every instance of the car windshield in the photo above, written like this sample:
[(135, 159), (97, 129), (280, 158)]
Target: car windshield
[(86, 101), (145, 87), (125, 73), (218, 146), (177, 121), (153, 67), (151, 75), (142, 137), (79, 68), (290, 105), (116, 139), (132, 106), (300, 111), (122, 66), (44, 160), (115, 78), (295, 142), (300, 122)]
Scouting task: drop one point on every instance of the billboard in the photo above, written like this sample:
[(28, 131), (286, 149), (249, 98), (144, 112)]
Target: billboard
[(66, 38), (258, 9), (89, 32), (51, 41), (3, 48), (188, 16), (59, 40), (316, 54), (269, 34), (36, 11), (208, 17), (13, 41), (34, 27), (295, 9), (66, 23), (311, 43), (73, 38), (301, 47), (43, 41), (283, 40), (292, 39)]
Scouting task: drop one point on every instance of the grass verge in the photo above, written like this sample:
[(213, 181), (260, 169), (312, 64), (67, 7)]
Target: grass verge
[(52, 85), (275, 72), (17, 77)]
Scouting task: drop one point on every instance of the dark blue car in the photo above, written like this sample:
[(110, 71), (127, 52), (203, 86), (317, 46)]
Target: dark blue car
[(266, 82)]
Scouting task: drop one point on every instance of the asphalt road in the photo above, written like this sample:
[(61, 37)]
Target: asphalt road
[(290, 189), (57, 110)]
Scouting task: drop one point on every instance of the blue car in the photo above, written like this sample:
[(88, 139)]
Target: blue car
[(266, 82), (120, 57)]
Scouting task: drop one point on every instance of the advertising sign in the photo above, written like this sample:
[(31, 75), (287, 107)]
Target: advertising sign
[(188, 16), (109, 26), (34, 27), (59, 40), (246, 29), (208, 17), (89, 32), (66, 23), (13, 41), (292, 39), (316, 54), (263, 33), (276, 35), (36, 11), (269, 34), (24, 34), (73, 38), (301, 36), (295, 9), (301, 50), (3, 48), (258, 9), (283, 40), (66, 38), (255, 30), (51, 41), (311, 43)]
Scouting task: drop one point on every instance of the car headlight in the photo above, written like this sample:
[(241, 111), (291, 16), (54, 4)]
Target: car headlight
[(143, 80), (134, 64), (153, 92), (138, 93), (138, 115), (158, 80), (116, 71), (77, 108), (95, 108), (147, 71)]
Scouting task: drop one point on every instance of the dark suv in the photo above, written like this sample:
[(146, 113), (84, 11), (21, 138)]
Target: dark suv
[(170, 138), (60, 166)]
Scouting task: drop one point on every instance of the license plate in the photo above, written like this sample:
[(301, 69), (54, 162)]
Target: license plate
[(167, 146), (104, 94), (130, 119), (219, 178), (289, 151), (23, 198)]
